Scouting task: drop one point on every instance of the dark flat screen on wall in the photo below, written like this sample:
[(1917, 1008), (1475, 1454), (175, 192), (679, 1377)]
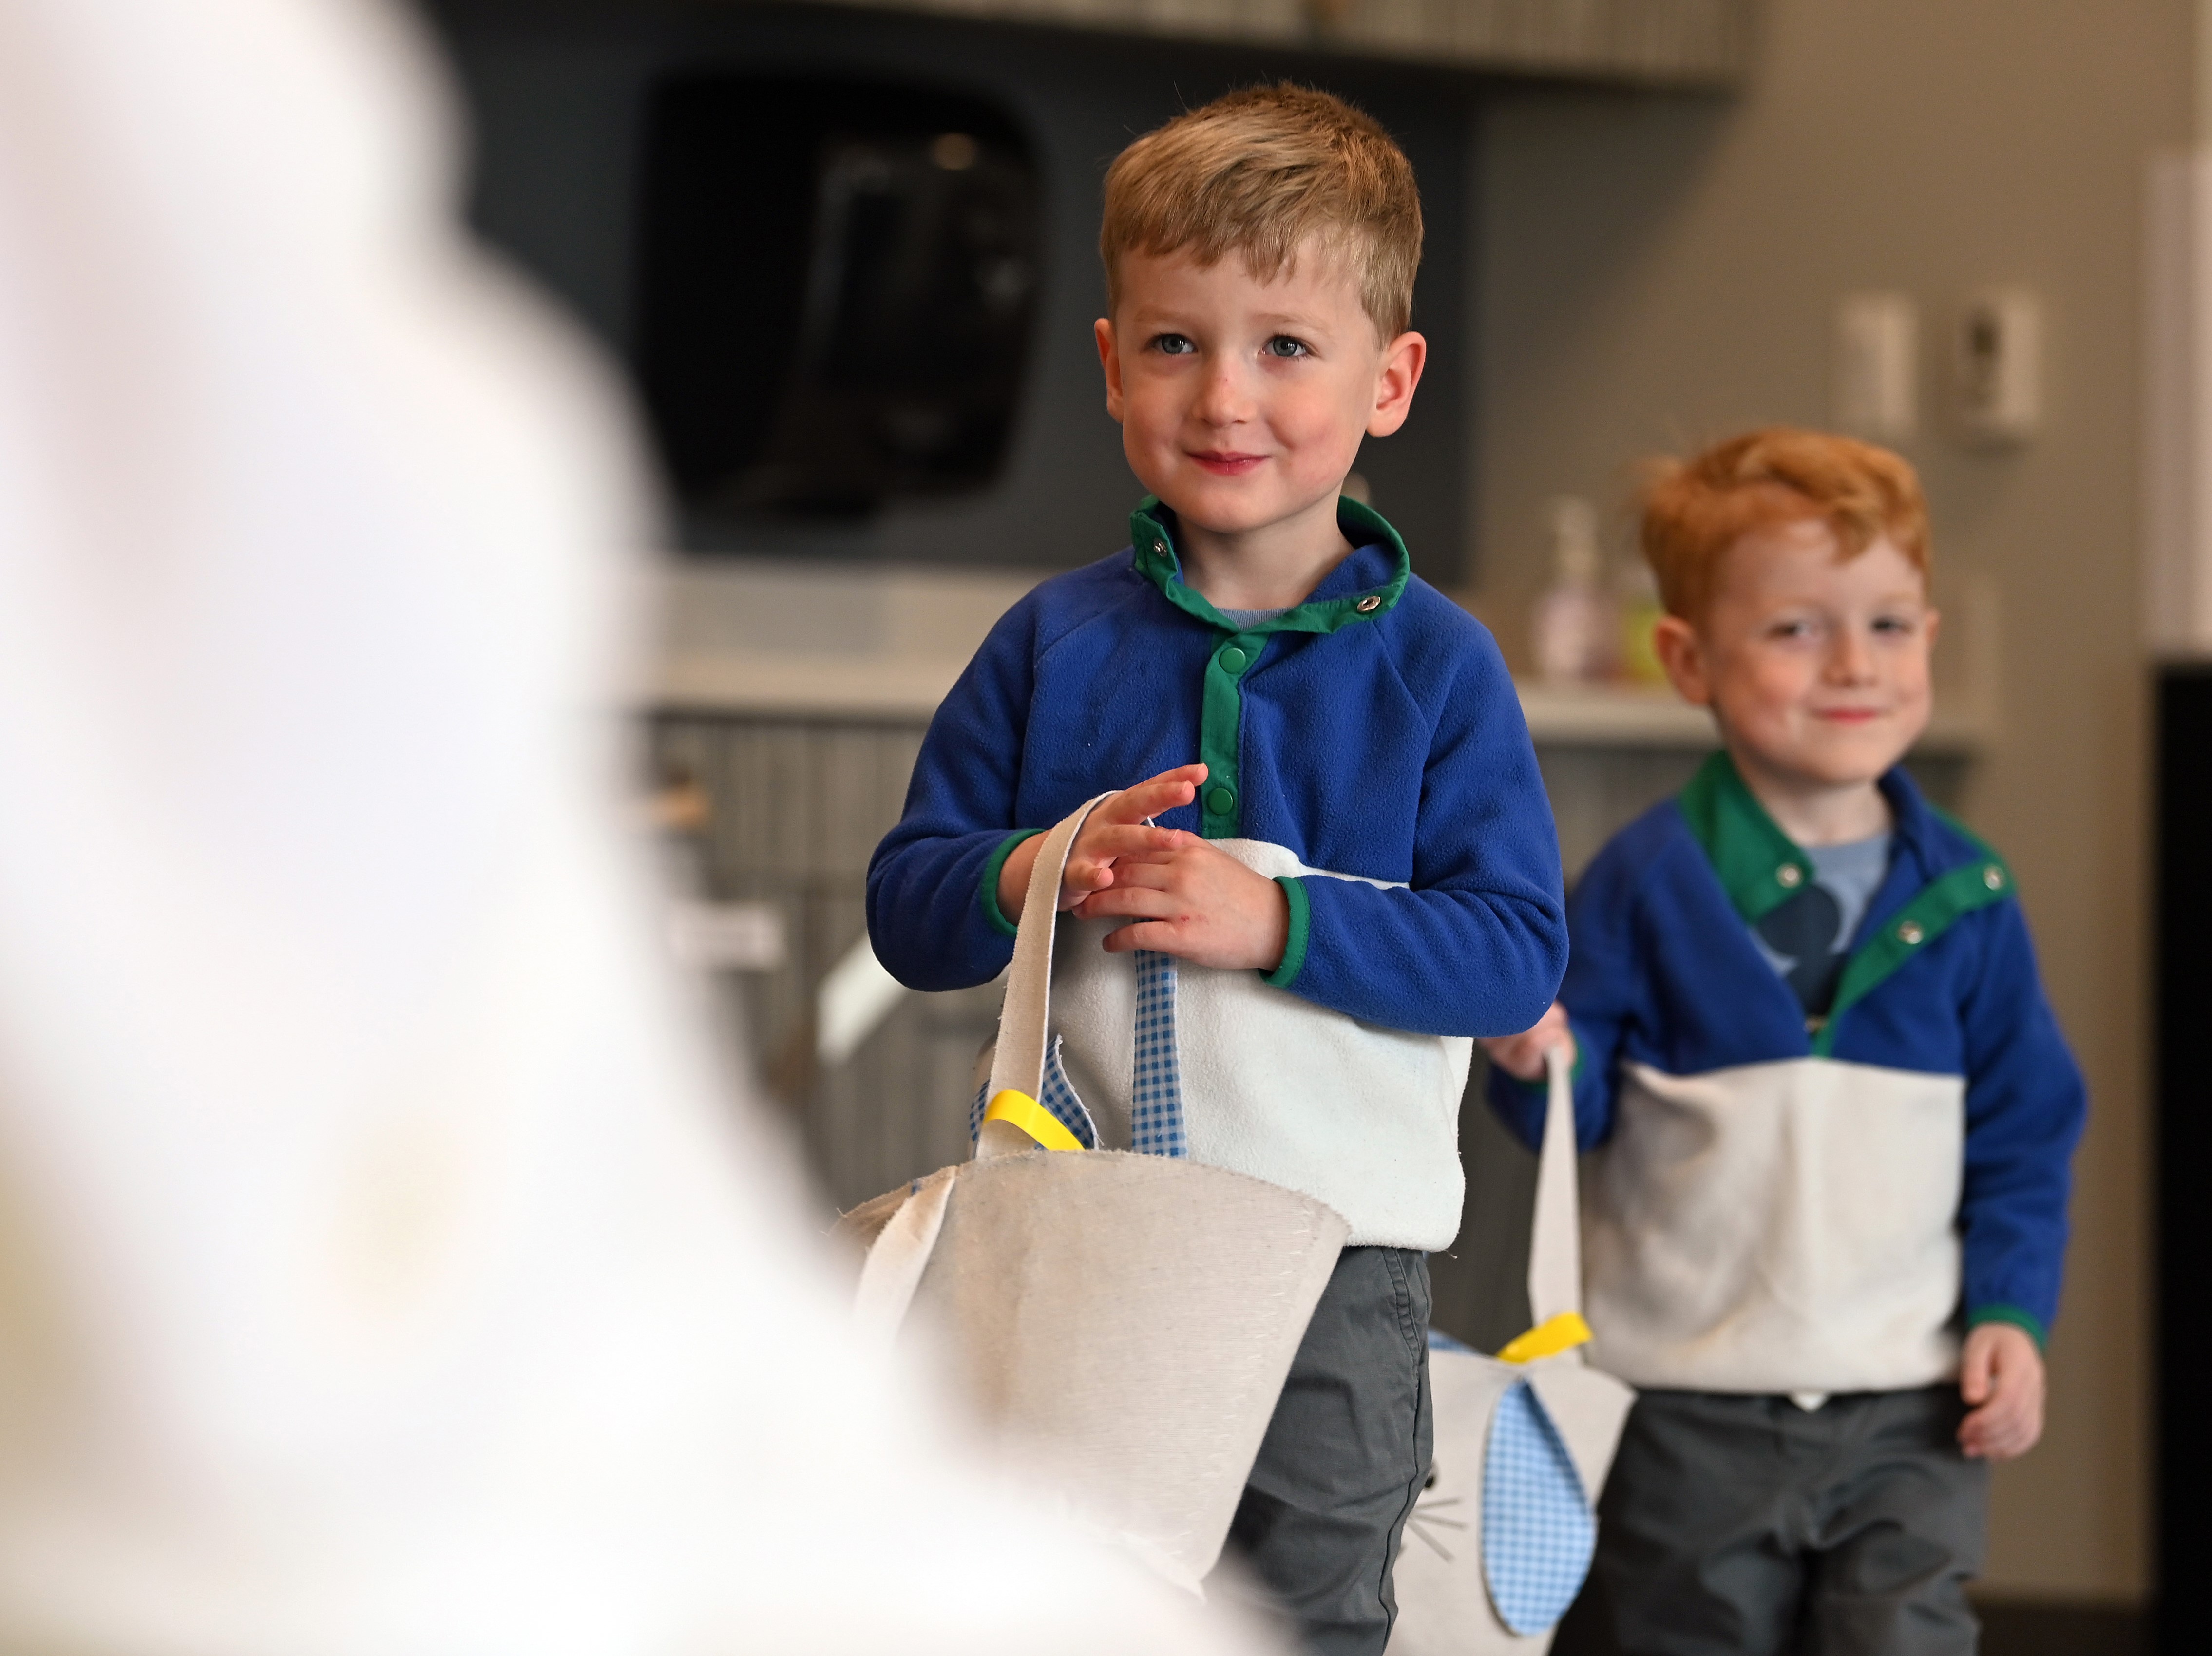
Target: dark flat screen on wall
[(570, 102), (836, 286)]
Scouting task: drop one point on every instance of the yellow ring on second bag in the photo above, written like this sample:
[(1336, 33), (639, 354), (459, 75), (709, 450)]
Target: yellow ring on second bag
[(1547, 1339), (1019, 1110)]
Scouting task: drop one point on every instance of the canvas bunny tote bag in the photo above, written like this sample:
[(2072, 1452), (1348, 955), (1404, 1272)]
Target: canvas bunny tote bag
[(1123, 1323), (1501, 1539)]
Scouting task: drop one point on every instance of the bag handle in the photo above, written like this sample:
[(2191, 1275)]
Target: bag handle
[(1013, 1120), (1555, 1243)]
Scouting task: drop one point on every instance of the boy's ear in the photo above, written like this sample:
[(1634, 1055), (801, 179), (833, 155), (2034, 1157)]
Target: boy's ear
[(1109, 358), (1675, 642), (1403, 359)]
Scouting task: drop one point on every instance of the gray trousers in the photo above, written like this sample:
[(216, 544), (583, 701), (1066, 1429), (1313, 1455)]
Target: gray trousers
[(1344, 1460), (1747, 1526)]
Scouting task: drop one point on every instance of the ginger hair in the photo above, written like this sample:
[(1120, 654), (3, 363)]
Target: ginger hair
[(1695, 510), (1258, 173)]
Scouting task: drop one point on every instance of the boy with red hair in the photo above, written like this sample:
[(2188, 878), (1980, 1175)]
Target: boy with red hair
[(1829, 1115)]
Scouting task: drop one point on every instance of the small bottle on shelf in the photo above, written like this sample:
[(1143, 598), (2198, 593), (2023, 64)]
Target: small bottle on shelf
[(1572, 630), (1639, 615)]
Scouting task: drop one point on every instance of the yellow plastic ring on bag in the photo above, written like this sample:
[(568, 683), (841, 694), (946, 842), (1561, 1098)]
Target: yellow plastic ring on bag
[(1546, 1340), (1020, 1110)]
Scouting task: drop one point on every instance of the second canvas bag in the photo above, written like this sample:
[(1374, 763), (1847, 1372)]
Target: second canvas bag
[(1122, 1323), (1501, 1540)]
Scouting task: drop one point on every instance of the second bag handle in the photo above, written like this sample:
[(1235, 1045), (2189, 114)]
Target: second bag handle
[(1555, 1244)]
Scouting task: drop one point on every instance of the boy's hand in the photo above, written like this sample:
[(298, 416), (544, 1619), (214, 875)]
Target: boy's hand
[(1190, 901), (2001, 1375), (1111, 833), (1522, 1055)]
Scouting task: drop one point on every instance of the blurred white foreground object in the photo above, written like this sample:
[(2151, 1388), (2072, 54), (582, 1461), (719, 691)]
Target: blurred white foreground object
[(377, 1273)]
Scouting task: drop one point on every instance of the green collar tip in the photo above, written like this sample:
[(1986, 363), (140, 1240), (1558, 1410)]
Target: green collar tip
[(1759, 865)]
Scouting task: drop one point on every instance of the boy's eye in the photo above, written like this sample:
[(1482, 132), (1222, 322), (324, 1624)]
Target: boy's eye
[(1283, 345), (1896, 626), (1173, 344), (1794, 627)]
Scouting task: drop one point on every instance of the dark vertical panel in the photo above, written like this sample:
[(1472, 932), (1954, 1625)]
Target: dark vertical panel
[(2182, 918)]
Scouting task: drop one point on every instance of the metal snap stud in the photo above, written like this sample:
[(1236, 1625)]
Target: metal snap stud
[(1790, 875), (1993, 877), (1368, 605), (1910, 933)]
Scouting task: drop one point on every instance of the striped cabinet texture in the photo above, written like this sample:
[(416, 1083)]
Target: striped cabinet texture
[(795, 807)]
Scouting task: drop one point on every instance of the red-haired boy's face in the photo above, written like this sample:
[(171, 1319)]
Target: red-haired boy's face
[(1816, 666)]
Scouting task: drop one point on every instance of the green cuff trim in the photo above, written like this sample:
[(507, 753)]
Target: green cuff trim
[(989, 890), (1294, 947), (2015, 1316)]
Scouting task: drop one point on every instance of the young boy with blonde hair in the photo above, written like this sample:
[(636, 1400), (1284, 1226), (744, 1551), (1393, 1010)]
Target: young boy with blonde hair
[(1331, 861), (1830, 1115)]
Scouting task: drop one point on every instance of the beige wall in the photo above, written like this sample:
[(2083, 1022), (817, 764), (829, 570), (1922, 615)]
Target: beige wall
[(1659, 271)]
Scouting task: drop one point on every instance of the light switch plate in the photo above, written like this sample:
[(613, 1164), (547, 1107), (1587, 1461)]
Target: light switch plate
[(1996, 360), (1876, 389)]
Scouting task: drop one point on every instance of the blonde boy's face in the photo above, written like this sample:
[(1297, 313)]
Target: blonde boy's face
[(1815, 666), (1242, 403)]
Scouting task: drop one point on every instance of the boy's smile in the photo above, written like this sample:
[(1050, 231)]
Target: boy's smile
[(1242, 403), (1816, 668)]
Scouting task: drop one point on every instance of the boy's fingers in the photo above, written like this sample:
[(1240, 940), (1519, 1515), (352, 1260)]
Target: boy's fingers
[(1132, 804), (1148, 798), (1974, 1372), (1128, 902), (1193, 773), (2002, 1427), (1086, 874), (1158, 936), (1122, 839), (1981, 1430), (1998, 1432), (1137, 870), (1154, 797)]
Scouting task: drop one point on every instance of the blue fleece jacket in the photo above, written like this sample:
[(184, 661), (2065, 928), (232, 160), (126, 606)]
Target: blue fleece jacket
[(1942, 980), (1373, 730)]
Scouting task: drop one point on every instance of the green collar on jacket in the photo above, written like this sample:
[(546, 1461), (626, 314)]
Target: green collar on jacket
[(1761, 868), (1362, 525), (1237, 656)]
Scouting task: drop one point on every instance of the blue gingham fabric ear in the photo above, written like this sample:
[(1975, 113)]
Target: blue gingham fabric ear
[(1060, 1097), (1538, 1530)]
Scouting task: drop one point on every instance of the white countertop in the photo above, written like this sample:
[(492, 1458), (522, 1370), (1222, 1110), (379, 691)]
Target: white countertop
[(907, 688), (887, 644)]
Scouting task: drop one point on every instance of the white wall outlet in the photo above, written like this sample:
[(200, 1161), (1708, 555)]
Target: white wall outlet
[(1876, 390), (1996, 360)]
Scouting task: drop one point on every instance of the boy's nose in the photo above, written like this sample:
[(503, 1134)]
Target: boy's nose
[(1850, 657), (1225, 400)]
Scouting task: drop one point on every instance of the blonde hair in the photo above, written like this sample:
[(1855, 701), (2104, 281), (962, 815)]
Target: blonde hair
[(1695, 510), (1259, 172)]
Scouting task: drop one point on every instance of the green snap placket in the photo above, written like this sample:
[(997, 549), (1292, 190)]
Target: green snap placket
[(1221, 707), (1220, 721)]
